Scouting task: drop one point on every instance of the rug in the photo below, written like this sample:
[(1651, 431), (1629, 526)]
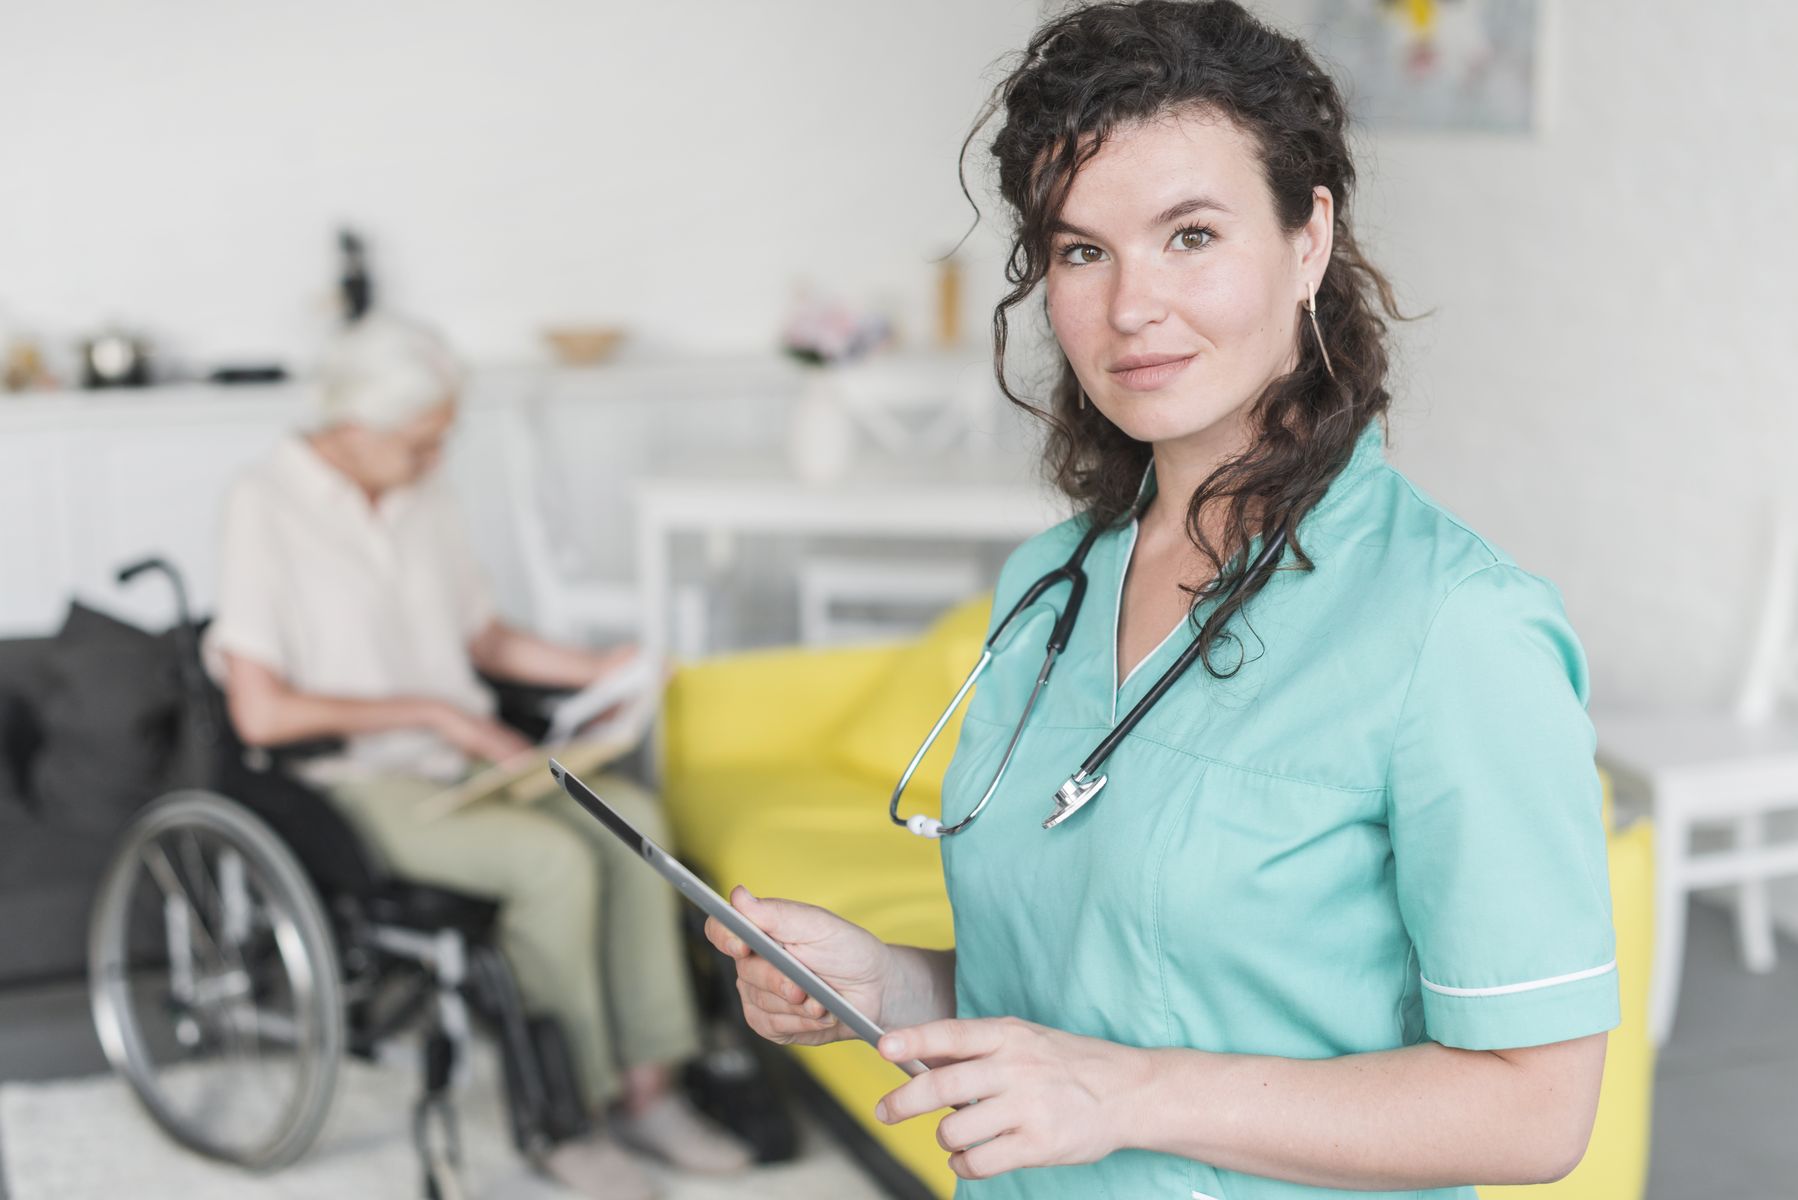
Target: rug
[(87, 1139)]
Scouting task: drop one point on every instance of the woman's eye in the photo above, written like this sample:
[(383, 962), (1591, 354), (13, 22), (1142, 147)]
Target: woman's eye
[(1193, 237), (1189, 238), (1083, 249)]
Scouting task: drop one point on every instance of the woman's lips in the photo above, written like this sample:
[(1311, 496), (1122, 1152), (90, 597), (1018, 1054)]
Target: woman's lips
[(1146, 379)]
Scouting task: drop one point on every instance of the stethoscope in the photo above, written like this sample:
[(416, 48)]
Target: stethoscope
[(1084, 784)]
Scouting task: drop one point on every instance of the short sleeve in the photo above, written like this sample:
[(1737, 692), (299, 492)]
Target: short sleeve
[(472, 595), (246, 618), (1495, 814)]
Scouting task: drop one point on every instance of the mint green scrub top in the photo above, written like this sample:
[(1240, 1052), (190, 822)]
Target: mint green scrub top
[(1384, 829)]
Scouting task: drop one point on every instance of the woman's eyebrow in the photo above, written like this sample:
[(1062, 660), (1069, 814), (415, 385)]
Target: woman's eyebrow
[(1184, 208)]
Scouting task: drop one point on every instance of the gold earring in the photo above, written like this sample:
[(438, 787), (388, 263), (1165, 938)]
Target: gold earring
[(1311, 308)]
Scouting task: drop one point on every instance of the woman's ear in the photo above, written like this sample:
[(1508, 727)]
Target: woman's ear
[(1315, 241)]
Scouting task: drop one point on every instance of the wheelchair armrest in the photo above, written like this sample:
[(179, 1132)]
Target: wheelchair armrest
[(524, 706), (286, 755)]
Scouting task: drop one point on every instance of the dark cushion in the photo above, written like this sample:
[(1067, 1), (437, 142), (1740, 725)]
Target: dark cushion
[(48, 879), (109, 718), (21, 682), (18, 733)]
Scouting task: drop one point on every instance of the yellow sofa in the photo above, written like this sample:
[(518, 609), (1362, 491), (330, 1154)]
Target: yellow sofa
[(777, 766)]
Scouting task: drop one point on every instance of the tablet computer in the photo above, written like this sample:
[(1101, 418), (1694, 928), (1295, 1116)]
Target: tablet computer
[(696, 890)]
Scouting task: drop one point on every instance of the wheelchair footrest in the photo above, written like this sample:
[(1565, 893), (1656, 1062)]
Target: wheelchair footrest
[(423, 907)]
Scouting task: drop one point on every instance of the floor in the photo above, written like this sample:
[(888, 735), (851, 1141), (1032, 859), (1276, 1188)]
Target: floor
[(1726, 1082), (1726, 1089)]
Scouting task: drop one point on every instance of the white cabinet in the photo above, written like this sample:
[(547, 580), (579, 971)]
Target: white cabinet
[(92, 481), (34, 539)]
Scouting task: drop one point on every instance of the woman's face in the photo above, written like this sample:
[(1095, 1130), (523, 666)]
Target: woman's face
[(405, 453), (1167, 248)]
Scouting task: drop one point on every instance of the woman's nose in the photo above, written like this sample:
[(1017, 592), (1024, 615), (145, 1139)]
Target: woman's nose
[(1138, 296)]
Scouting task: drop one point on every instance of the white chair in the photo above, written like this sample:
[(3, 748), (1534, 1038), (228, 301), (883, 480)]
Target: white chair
[(1719, 768), (917, 403), (567, 601), (844, 599)]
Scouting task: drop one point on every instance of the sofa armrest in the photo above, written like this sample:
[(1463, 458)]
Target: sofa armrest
[(763, 708)]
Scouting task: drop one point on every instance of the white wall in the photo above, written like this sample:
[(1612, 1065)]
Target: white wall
[(1606, 387), (1609, 387), (673, 166)]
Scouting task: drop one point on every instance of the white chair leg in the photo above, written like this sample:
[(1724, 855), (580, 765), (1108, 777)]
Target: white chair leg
[(1672, 843), (691, 622), (1754, 916)]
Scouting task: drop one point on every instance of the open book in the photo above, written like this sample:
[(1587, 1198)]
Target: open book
[(598, 724)]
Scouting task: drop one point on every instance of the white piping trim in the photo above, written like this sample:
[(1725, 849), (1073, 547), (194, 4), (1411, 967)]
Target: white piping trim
[(1117, 618), (1165, 639), (1531, 986), (1202, 1196), (1117, 625)]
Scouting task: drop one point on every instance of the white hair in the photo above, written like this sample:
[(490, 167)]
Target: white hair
[(383, 370)]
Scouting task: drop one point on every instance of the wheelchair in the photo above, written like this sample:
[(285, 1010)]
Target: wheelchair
[(243, 941)]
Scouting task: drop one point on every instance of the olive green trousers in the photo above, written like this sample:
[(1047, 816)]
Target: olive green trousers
[(590, 930)]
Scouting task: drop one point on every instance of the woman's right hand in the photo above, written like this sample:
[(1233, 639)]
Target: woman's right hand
[(843, 954), (476, 736)]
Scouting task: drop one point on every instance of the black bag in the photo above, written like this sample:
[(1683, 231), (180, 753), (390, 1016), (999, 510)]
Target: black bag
[(732, 1086), (732, 1083)]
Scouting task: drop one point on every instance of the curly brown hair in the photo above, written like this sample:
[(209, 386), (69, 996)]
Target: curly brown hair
[(1101, 68)]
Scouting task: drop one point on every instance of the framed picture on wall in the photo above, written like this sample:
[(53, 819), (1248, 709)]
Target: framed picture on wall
[(1448, 65)]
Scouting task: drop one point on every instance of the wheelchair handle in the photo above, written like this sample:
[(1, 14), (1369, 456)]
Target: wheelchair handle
[(127, 574), (191, 667), (155, 563)]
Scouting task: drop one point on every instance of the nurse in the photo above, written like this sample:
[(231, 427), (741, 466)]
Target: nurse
[(1339, 923)]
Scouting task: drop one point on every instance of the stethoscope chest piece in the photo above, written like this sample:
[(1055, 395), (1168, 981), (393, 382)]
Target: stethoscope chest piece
[(1072, 796)]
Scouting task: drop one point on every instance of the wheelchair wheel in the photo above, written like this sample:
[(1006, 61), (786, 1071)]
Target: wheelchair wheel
[(231, 1035)]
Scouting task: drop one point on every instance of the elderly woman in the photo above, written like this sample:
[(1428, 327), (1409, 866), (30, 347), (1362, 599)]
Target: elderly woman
[(351, 606)]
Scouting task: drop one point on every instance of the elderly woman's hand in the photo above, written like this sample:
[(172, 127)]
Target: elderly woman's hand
[(477, 736)]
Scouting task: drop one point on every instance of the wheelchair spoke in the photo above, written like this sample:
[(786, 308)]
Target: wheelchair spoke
[(234, 1046), (162, 871), (225, 998), (211, 897)]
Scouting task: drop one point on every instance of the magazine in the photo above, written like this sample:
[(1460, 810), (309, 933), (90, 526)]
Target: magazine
[(597, 725)]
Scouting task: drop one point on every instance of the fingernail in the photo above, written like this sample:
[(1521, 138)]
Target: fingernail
[(893, 1047), (880, 1111)]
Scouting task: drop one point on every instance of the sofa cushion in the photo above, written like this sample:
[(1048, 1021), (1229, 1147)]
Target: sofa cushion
[(18, 733), (21, 682), (709, 810), (109, 715), (50, 877), (816, 835), (878, 737)]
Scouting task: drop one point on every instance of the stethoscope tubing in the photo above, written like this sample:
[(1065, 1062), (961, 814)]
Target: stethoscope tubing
[(1084, 784)]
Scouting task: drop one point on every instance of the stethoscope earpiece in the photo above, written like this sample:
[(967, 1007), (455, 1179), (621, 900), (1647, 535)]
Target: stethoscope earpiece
[(925, 826)]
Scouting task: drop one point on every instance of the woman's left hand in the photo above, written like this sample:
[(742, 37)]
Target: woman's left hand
[(1046, 1097)]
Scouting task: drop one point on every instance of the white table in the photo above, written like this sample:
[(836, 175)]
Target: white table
[(957, 502)]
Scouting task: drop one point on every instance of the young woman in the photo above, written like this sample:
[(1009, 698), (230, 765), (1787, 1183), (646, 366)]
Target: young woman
[(351, 606), (1338, 923)]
